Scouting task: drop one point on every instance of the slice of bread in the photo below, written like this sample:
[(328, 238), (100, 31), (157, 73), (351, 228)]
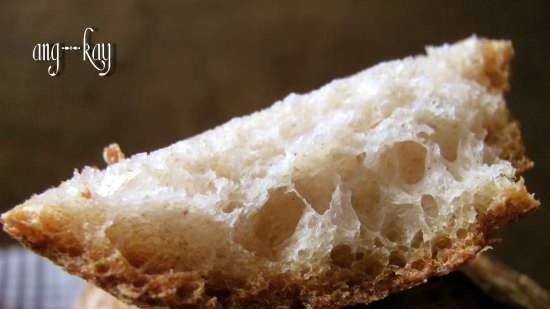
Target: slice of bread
[(369, 185)]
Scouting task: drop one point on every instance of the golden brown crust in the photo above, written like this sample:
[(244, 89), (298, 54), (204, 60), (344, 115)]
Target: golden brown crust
[(497, 55), (338, 287), (506, 137), (504, 134)]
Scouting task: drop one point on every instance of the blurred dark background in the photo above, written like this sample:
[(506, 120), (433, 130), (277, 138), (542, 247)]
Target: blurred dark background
[(185, 66)]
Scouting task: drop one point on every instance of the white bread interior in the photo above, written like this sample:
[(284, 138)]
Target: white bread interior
[(365, 186)]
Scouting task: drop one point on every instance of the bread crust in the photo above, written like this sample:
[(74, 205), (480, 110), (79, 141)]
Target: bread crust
[(508, 140), (338, 287)]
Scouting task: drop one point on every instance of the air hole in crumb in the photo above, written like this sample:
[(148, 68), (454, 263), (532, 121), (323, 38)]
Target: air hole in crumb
[(417, 240), (318, 186), (359, 256), (397, 258), (365, 191), (412, 157), (316, 190), (147, 246), (429, 205), (272, 224), (406, 159), (418, 265), (342, 255), (396, 222), (278, 218), (378, 242), (445, 136), (448, 148), (365, 197), (229, 207), (447, 140), (440, 243)]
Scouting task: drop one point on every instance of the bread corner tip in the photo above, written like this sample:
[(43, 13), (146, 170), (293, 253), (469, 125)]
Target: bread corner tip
[(14, 222), (497, 55), (26, 227)]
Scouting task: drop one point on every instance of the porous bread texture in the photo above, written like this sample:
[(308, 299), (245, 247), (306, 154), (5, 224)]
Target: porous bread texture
[(366, 186)]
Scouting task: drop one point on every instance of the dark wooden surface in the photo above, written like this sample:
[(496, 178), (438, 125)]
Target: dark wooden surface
[(185, 66)]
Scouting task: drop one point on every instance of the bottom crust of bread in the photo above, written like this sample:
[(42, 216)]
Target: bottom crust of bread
[(338, 287)]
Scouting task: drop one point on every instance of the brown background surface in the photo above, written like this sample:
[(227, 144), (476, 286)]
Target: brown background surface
[(185, 66)]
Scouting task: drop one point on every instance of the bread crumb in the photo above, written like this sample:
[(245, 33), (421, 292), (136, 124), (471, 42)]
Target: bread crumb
[(112, 154)]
